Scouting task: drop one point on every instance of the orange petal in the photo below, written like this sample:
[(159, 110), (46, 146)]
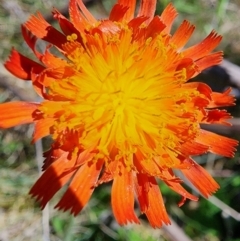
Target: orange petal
[(54, 153), (201, 179), (142, 187), (51, 61), (190, 67), (217, 116), (174, 183), (156, 212), (168, 16), (39, 27), (176, 187), (80, 188), (48, 76), (200, 102), (201, 87), (21, 66), (67, 27), (36, 76), (76, 17), (222, 99), (220, 145), (53, 179), (86, 13), (107, 26), (118, 13), (209, 60), (52, 108), (122, 196), (182, 35), (42, 128), (51, 156), (149, 167), (155, 27), (127, 6), (192, 148), (108, 173), (138, 32), (106, 177), (16, 113), (203, 48), (136, 22), (30, 40), (147, 8)]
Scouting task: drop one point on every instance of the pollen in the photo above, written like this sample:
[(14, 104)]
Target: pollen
[(72, 37)]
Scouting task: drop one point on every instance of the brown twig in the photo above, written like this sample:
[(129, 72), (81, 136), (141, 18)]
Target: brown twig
[(175, 233), (45, 211)]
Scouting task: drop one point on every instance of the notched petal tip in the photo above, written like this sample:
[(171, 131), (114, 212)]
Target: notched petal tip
[(217, 144), (203, 48), (123, 197), (168, 16), (147, 8), (222, 99), (182, 35), (217, 117), (40, 28), (57, 174), (81, 188), (201, 179), (156, 212)]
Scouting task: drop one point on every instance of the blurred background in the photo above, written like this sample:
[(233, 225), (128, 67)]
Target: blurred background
[(215, 219)]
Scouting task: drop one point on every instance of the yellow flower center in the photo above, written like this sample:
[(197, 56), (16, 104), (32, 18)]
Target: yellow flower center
[(122, 96)]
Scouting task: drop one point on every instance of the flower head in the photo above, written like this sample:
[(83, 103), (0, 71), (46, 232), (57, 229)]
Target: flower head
[(119, 107)]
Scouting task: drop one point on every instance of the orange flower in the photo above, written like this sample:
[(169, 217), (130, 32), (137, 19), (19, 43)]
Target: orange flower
[(118, 105)]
